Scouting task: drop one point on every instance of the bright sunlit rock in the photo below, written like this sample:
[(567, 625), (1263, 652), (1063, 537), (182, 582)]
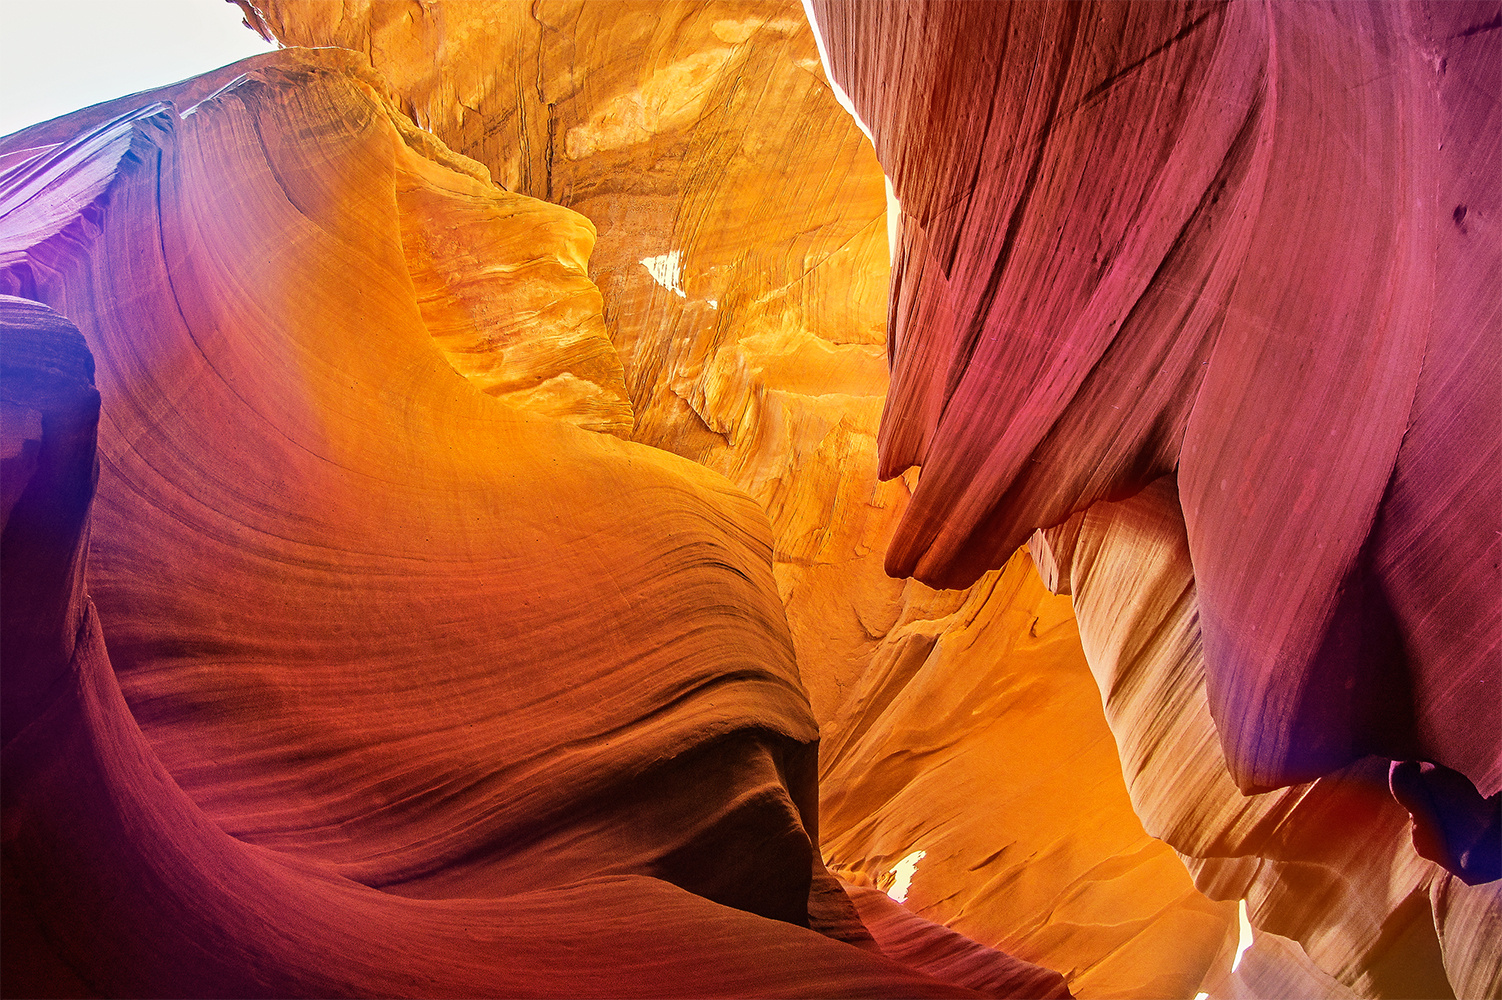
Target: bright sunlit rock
[(903, 874)]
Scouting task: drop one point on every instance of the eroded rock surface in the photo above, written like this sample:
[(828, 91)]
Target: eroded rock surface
[(302, 513), (969, 748), (1097, 284), (384, 635), (940, 951), (742, 249), (1328, 866), (742, 256)]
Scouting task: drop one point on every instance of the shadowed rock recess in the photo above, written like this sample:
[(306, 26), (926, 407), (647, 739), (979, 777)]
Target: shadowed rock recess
[(654, 498)]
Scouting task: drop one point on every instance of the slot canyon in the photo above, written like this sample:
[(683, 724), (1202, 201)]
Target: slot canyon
[(750, 498)]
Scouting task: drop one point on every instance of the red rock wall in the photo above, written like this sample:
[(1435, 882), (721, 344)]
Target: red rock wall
[(1144, 239)]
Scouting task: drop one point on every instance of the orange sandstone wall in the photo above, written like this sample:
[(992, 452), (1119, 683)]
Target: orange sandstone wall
[(418, 693), (702, 138)]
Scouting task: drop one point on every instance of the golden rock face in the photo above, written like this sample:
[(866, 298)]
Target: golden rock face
[(358, 691), (303, 513), (975, 737), (741, 246), (1326, 867), (743, 258), (502, 285)]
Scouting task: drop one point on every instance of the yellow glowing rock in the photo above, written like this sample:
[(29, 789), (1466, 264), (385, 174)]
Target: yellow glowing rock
[(743, 259), (742, 252), (1328, 865), (977, 738), (381, 635), (502, 284)]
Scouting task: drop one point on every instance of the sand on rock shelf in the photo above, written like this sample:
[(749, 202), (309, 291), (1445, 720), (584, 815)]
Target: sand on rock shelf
[(655, 498)]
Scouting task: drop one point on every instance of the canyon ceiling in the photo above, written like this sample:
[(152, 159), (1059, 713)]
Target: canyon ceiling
[(872, 498)]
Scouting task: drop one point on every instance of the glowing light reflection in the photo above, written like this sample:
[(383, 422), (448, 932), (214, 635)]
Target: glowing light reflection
[(903, 875), (1245, 940)]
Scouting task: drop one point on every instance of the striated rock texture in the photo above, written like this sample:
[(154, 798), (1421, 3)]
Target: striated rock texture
[(409, 661), (116, 883), (302, 512), (941, 952), (502, 286), (742, 249), (500, 279), (410, 665), (1274, 966), (976, 739), (1326, 866), (743, 261), (1098, 282)]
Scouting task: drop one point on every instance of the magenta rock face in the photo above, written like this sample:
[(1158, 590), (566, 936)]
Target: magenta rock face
[(1144, 239)]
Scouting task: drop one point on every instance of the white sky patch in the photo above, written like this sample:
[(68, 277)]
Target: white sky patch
[(894, 207), (57, 56), (894, 215), (839, 92), (1245, 940), (904, 872), (667, 270)]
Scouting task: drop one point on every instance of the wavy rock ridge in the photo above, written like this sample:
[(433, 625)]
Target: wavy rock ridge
[(1283, 383), (1057, 341), (303, 515)]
